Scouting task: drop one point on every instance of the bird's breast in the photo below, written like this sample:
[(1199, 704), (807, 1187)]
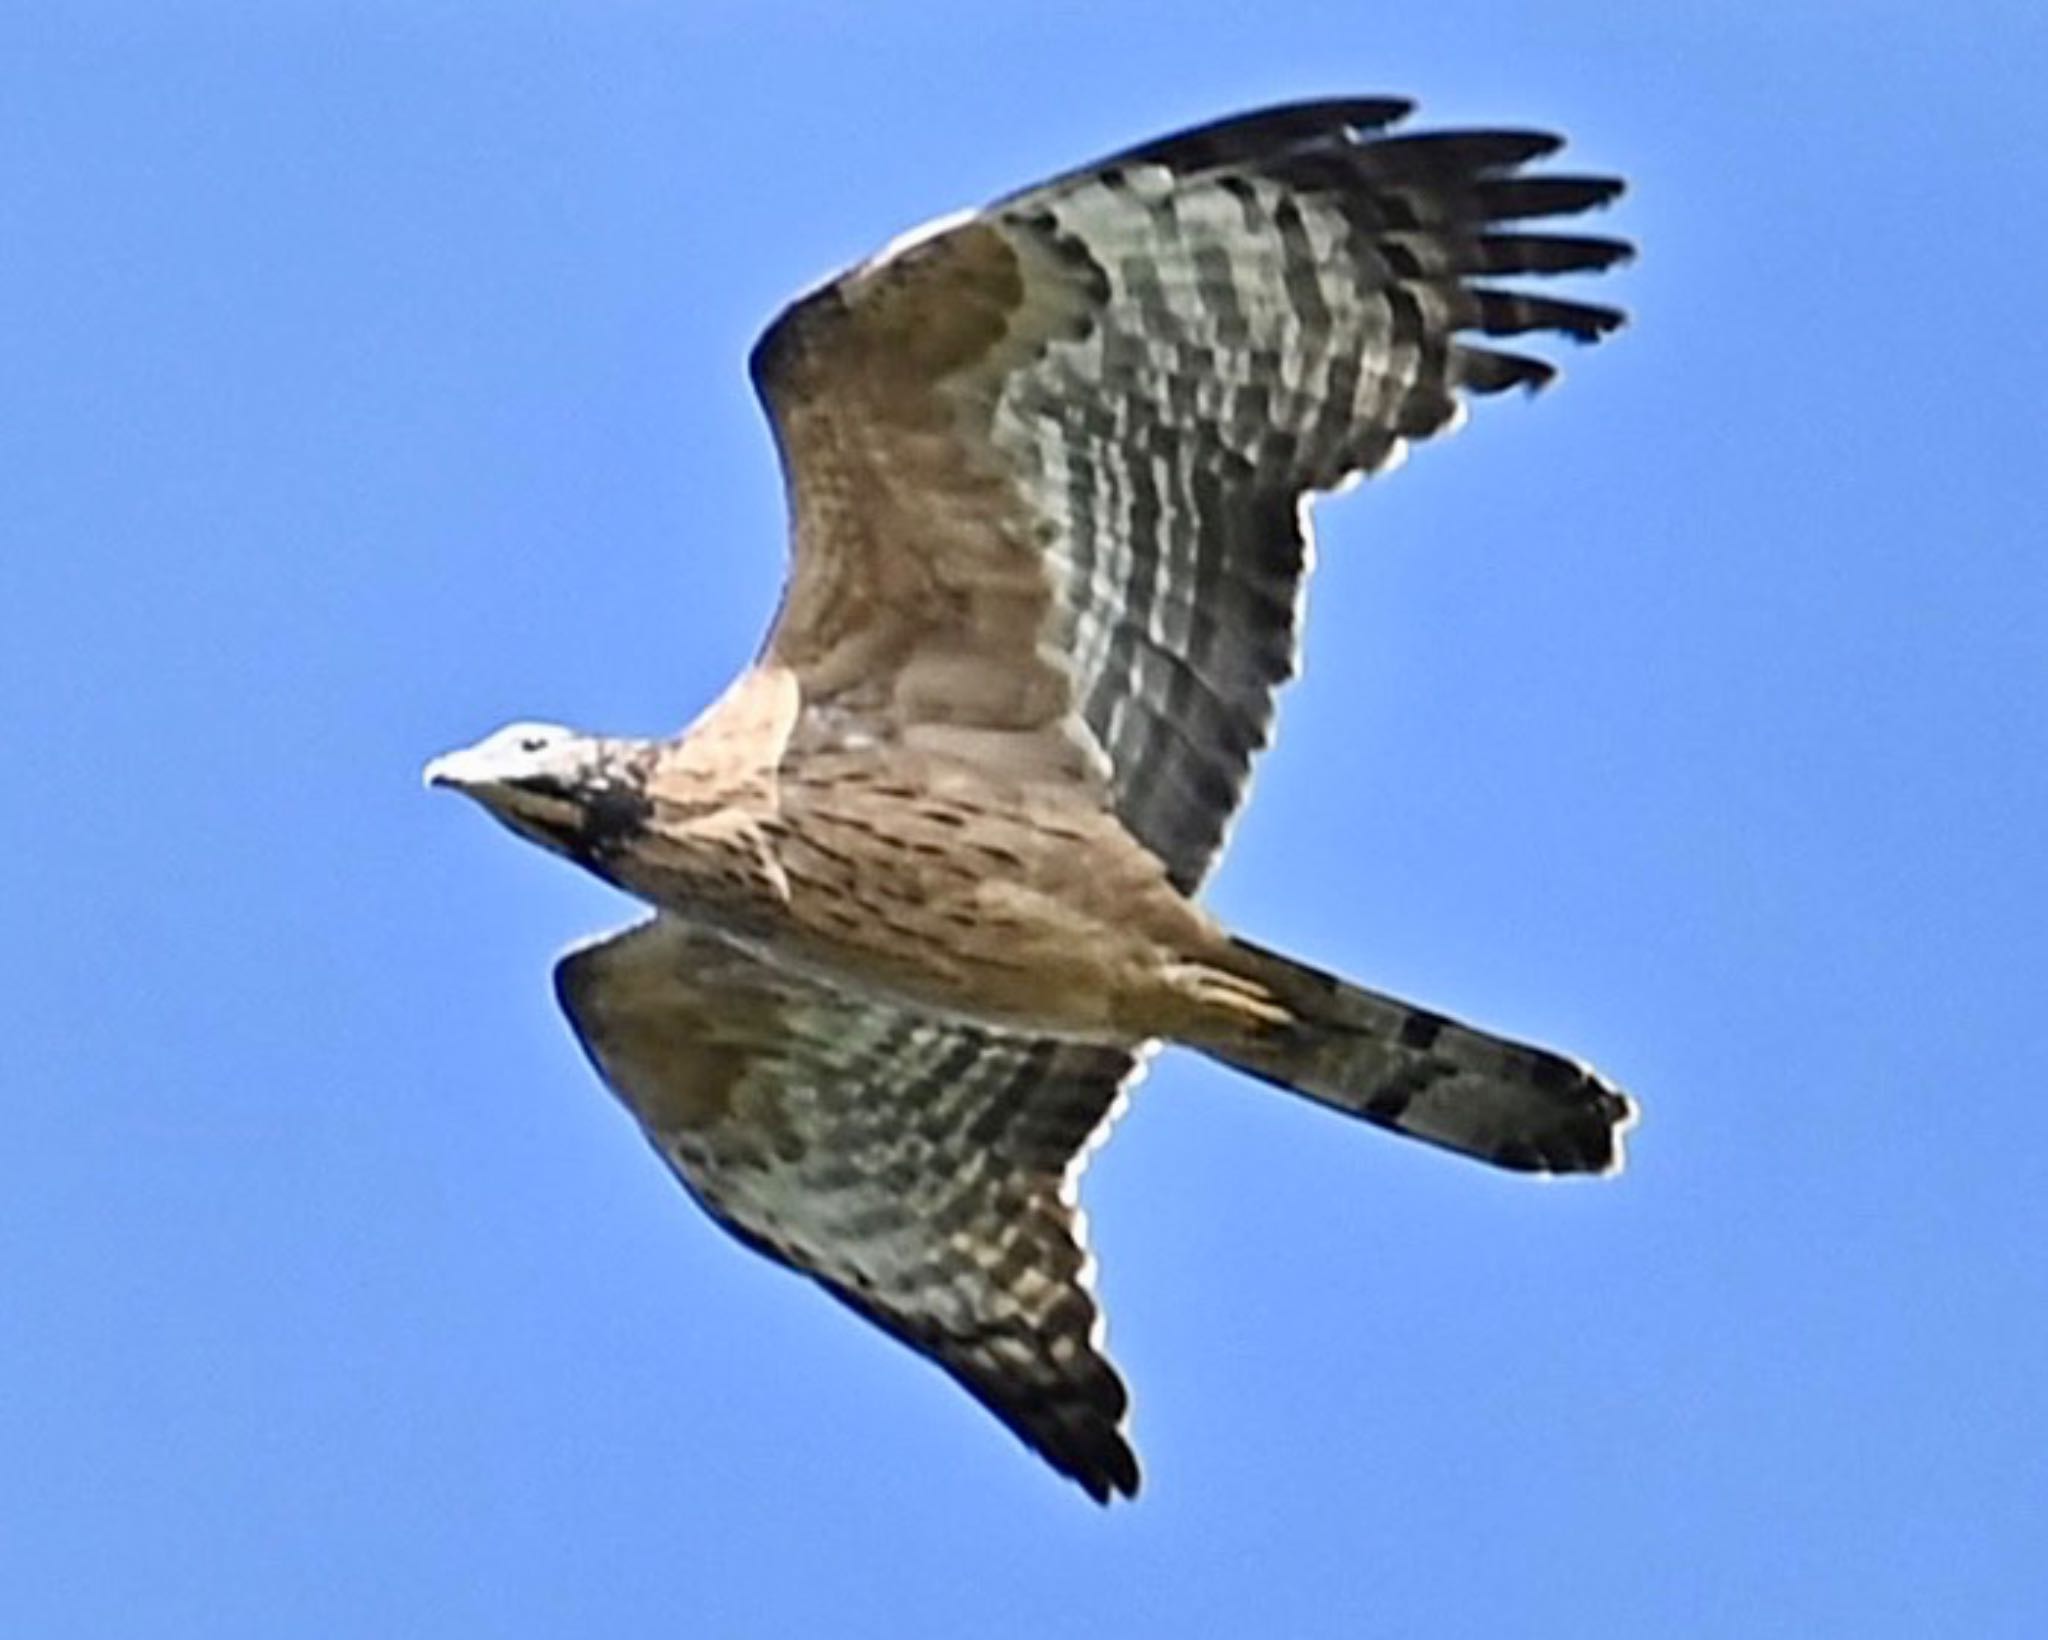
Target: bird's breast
[(1004, 905)]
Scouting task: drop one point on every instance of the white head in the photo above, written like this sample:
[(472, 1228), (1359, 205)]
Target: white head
[(571, 792)]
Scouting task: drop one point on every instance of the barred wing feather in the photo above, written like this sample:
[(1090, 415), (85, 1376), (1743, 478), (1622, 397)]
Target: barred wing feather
[(1047, 462), (921, 1171)]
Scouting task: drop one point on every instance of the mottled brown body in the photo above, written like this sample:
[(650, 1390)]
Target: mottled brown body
[(924, 879)]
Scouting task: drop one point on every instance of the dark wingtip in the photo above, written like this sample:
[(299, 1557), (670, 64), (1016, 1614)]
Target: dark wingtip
[(1088, 1447), (1578, 253), (1510, 198), (1502, 312), (1469, 152), (1491, 370), (1110, 1476)]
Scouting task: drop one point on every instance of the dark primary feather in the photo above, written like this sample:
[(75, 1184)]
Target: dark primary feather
[(916, 1169), (1239, 137)]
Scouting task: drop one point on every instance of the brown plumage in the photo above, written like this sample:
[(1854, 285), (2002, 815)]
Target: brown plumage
[(922, 876)]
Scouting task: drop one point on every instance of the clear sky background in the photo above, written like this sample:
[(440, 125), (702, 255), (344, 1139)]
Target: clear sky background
[(372, 373)]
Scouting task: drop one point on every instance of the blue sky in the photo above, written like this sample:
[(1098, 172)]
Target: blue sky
[(372, 373)]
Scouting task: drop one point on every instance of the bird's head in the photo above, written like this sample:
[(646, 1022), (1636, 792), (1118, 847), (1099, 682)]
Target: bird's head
[(577, 794)]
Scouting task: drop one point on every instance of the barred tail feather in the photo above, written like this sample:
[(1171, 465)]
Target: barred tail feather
[(1508, 1103)]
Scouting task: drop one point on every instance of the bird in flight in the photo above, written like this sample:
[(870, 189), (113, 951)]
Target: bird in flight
[(922, 880)]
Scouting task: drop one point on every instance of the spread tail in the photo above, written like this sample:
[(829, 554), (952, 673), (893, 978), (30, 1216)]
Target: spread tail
[(1419, 1073)]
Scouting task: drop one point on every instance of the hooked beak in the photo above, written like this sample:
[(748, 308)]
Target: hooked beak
[(443, 771), (464, 770)]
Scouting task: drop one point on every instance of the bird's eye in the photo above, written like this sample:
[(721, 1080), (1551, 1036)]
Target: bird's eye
[(533, 743)]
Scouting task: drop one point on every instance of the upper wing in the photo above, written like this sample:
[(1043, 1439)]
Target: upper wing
[(921, 1171), (1046, 462)]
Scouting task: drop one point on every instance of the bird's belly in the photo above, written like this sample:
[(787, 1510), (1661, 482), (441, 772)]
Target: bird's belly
[(1022, 915), (1013, 907)]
